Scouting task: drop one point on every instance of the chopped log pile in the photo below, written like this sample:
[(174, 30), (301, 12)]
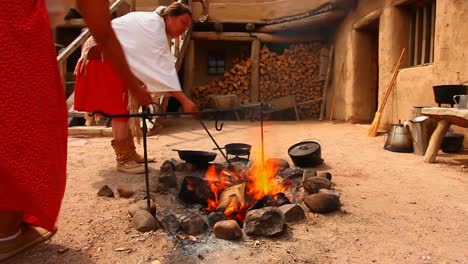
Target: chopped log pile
[(294, 72), (234, 81)]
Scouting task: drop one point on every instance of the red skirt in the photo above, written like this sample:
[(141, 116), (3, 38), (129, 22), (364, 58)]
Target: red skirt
[(99, 87), (33, 134)]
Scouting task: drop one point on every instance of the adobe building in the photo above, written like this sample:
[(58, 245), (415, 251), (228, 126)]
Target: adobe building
[(366, 38)]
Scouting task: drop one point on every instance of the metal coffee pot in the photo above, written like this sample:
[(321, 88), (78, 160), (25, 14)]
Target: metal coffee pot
[(462, 101), (399, 139)]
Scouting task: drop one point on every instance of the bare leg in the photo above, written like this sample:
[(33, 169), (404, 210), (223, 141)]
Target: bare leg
[(120, 129), (10, 223)]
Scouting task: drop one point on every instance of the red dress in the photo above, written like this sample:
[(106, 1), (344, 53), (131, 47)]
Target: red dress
[(33, 115)]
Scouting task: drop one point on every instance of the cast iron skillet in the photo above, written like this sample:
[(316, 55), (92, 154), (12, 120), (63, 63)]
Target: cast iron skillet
[(238, 149), (196, 156)]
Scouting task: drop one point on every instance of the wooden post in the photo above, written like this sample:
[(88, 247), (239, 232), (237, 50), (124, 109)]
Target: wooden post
[(63, 74), (255, 71), (436, 141), (177, 47), (327, 82), (189, 69)]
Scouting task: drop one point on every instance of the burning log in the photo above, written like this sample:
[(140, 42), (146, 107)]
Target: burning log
[(277, 200), (233, 200), (195, 190)]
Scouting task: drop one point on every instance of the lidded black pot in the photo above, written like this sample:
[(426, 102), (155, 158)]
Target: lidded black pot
[(306, 154)]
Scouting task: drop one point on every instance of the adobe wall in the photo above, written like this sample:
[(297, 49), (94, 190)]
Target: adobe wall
[(414, 84)]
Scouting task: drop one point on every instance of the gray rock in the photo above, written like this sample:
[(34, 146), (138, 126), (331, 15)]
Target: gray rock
[(314, 184), (168, 165), (332, 192), (322, 203), (193, 223), (105, 191), (215, 217), (167, 175), (228, 230), (325, 174), (292, 173), (142, 205), (169, 179), (268, 221), (168, 220), (309, 173), (292, 212), (143, 221), (281, 163)]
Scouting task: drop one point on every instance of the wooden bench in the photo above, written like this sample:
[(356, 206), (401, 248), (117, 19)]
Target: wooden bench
[(283, 103), (227, 101), (446, 117)]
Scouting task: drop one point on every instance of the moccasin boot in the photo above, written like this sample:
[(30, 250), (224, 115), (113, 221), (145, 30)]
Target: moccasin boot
[(135, 156), (125, 159), (30, 236)]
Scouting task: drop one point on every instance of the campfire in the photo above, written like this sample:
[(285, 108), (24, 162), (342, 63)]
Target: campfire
[(237, 188)]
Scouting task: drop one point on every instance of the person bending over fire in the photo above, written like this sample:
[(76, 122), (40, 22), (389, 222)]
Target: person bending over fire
[(145, 40)]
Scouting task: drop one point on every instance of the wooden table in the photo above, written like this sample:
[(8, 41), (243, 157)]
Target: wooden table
[(446, 117)]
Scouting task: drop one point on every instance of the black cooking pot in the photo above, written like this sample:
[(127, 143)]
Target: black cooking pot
[(443, 94), (196, 156), (238, 149), (306, 154), (452, 143)]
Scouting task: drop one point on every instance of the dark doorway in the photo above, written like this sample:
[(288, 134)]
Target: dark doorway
[(366, 68)]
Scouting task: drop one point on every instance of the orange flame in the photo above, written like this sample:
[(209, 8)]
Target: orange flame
[(261, 182), (217, 184), (262, 179)]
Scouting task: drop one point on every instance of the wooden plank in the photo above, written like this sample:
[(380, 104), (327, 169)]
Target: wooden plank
[(262, 12), (412, 39), (417, 39), (189, 69), (327, 82), (263, 37), (255, 71), (302, 23), (425, 32), (433, 19), (185, 45), (368, 19)]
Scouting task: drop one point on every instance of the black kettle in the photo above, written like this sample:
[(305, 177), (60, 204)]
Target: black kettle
[(399, 139)]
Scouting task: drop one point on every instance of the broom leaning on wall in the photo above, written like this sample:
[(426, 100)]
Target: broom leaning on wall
[(376, 123)]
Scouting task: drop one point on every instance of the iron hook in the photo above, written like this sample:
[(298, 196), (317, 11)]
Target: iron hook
[(218, 126)]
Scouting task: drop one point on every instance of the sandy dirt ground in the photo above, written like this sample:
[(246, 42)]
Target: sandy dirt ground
[(396, 208)]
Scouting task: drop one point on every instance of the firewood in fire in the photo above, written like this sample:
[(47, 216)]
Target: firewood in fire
[(233, 200), (278, 199)]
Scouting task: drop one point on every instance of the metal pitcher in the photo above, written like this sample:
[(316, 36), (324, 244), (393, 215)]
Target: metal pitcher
[(462, 101), (399, 139), (422, 128)]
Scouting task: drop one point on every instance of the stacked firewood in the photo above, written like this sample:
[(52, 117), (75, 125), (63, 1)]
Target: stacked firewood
[(294, 72), (234, 81)]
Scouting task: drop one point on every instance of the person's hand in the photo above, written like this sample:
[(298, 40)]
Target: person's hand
[(190, 106), (142, 96)]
